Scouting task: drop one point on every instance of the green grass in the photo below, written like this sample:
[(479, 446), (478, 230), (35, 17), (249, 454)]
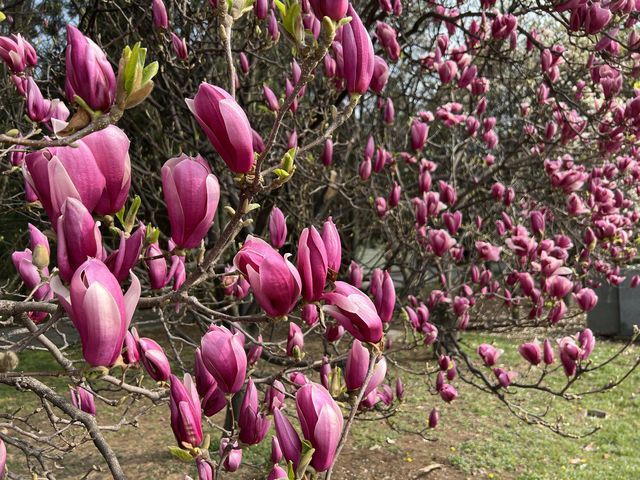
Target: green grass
[(531, 452)]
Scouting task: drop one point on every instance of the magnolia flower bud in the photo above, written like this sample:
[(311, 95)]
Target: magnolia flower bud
[(433, 418), (226, 125), (89, 73), (184, 180), (277, 228), (358, 54), (224, 357)]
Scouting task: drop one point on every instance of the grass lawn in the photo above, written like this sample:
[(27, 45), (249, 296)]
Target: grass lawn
[(487, 440)]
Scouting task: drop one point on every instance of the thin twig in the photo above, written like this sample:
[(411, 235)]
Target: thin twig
[(354, 409)]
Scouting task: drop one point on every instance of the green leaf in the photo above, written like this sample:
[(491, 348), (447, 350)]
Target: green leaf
[(282, 174), (281, 7), (142, 56), (306, 448), (305, 457), (290, 472), (130, 69), (120, 216), (131, 215), (149, 72), (152, 234), (290, 18), (181, 453), (343, 21), (288, 160), (2, 16)]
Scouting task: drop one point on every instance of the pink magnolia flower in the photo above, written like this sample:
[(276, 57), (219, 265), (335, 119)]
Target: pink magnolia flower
[(419, 132), (110, 149), (440, 241), (179, 46), (89, 73), (295, 339), (192, 194), (122, 260), (253, 424), (320, 422), (98, 309), (152, 357), (355, 274), (586, 299), (224, 357), (186, 414), (559, 286), (17, 53), (354, 311), (548, 352), (234, 458), (489, 354), (312, 264), (569, 355), (82, 399), (433, 418), (448, 393), (277, 228), (335, 10), (380, 75), (381, 206), (159, 14), (332, 244), (531, 352), (385, 298), (58, 173), (486, 251), (358, 54), (447, 71), (226, 125), (587, 342), (327, 152), (30, 273), (504, 378), (272, 101)]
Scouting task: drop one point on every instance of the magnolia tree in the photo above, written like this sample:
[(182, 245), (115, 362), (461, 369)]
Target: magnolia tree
[(233, 190)]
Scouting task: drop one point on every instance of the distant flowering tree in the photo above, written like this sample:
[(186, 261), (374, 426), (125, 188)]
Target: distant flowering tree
[(237, 167)]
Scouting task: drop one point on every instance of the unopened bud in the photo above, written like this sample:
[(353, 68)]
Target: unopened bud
[(287, 161), (8, 361), (297, 354), (335, 382), (329, 29)]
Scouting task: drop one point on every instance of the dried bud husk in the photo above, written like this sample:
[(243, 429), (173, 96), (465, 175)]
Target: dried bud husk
[(40, 256)]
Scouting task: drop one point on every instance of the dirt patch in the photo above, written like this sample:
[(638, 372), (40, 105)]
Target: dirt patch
[(417, 459)]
